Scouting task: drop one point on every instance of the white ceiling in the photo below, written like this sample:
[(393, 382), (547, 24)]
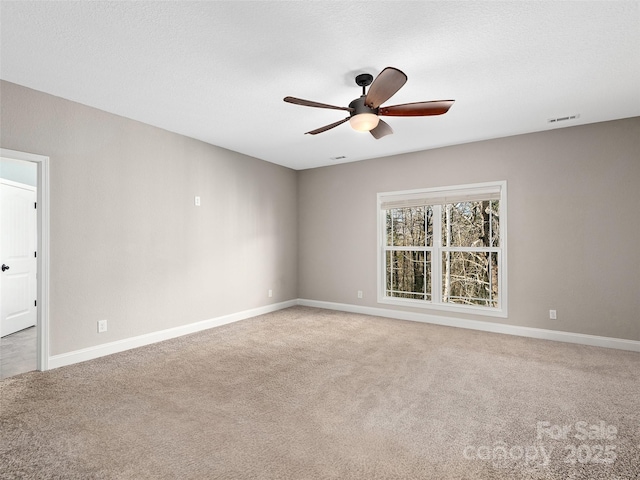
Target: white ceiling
[(218, 71)]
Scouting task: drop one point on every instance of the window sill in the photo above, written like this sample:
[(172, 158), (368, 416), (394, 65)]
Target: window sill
[(470, 310)]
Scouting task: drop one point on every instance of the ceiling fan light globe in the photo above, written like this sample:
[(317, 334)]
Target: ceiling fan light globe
[(364, 122)]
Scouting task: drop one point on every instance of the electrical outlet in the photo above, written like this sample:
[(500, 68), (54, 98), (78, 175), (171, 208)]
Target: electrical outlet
[(553, 315), (270, 293), (196, 201), (102, 326), (359, 293)]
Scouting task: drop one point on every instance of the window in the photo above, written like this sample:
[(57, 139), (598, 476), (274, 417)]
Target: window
[(444, 248)]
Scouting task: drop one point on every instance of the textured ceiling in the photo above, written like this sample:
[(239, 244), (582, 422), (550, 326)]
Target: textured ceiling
[(218, 71)]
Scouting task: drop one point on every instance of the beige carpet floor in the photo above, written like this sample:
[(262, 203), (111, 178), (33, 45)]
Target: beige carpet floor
[(313, 394)]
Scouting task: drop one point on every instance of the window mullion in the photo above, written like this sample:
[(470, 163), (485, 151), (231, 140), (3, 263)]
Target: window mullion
[(436, 258)]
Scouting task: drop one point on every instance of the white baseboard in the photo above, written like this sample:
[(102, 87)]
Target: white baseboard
[(90, 353), (568, 337)]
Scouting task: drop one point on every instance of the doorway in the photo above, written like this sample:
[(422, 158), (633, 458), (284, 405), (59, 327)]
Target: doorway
[(24, 303), (18, 254)]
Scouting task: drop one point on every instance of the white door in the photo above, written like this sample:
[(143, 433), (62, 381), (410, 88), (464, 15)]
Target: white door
[(18, 240)]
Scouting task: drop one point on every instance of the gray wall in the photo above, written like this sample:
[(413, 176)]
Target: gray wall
[(573, 225), (127, 242)]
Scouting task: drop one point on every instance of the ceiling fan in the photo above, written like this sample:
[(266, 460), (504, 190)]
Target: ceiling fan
[(364, 112)]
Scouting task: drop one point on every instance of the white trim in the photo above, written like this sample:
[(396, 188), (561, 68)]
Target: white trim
[(445, 307), (98, 351), (558, 336), (440, 195), (43, 249), (23, 186)]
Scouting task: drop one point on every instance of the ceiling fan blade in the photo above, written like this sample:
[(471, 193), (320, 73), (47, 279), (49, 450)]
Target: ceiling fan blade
[(385, 86), (381, 130), (327, 127), (309, 103), (417, 109)]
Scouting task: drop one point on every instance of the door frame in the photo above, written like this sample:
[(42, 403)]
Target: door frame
[(42, 327)]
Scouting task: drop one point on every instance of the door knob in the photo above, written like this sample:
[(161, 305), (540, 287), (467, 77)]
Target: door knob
[(5, 267)]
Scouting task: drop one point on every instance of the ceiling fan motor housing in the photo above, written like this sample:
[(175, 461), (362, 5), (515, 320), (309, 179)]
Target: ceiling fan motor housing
[(363, 118), (359, 107)]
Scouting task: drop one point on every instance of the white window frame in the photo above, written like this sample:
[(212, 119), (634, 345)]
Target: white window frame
[(435, 197)]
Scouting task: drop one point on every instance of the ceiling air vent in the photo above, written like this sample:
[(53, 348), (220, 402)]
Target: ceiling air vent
[(563, 119)]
